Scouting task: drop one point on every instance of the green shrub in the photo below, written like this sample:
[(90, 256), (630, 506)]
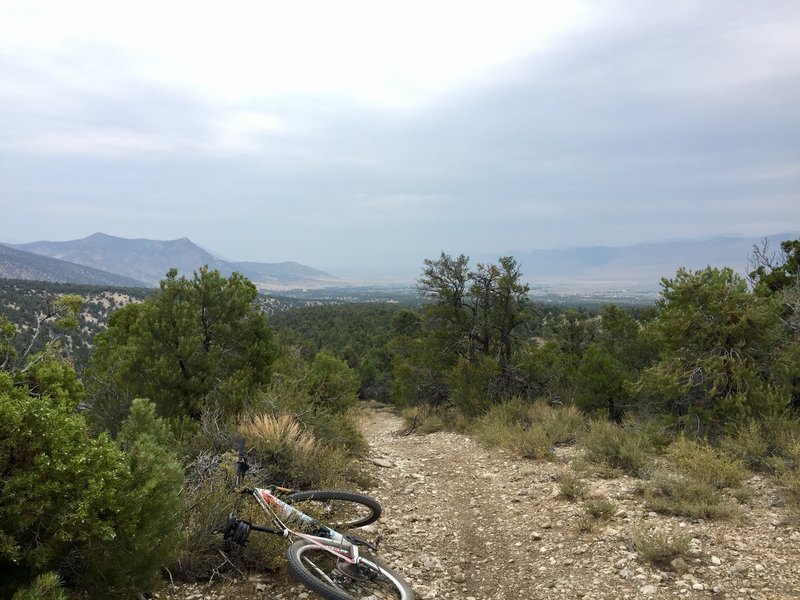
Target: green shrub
[(659, 549), (497, 427), (717, 345), (618, 447), (501, 427), (331, 383), (532, 443), (150, 507), (46, 586), (748, 445), (562, 424), (60, 488), (339, 430), (475, 385), (571, 486), (788, 477), (422, 419), (600, 508), (192, 342), (79, 505), (291, 392), (676, 494), (698, 460), (425, 419), (742, 494), (530, 430), (764, 445)]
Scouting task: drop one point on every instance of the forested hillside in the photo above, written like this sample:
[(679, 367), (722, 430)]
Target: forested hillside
[(29, 306), (24, 303)]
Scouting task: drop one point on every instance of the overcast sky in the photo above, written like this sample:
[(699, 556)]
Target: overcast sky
[(363, 137)]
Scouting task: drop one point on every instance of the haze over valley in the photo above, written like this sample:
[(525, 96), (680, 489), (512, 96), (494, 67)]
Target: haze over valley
[(626, 270)]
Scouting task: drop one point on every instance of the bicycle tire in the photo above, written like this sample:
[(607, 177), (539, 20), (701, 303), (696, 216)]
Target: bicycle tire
[(371, 578), (338, 510)]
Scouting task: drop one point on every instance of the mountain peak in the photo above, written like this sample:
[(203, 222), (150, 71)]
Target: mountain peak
[(148, 261)]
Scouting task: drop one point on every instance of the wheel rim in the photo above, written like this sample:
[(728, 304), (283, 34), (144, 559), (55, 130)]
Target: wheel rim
[(357, 581)]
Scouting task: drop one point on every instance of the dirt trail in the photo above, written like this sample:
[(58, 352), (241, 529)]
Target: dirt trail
[(461, 522)]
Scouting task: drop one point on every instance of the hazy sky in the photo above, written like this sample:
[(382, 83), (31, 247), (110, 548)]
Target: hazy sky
[(363, 137)]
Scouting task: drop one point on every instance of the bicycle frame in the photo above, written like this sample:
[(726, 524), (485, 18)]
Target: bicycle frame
[(328, 578), (345, 550)]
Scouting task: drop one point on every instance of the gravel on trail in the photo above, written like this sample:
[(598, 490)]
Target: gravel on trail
[(462, 522)]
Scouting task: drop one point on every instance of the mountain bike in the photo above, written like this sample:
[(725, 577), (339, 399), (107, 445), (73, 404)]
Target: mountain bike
[(337, 566)]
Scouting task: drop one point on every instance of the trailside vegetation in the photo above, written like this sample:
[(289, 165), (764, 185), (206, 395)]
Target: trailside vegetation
[(112, 475), (708, 378), (690, 395), (81, 506), (713, 354)]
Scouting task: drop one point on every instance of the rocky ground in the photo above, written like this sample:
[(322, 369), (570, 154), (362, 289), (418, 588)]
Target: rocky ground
[(462, 522)]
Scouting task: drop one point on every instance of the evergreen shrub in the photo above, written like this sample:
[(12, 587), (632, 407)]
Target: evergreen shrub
[(99, 514), (620, 447)]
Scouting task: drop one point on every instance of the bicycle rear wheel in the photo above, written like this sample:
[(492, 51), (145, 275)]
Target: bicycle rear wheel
[(335, 579), (338, 510)]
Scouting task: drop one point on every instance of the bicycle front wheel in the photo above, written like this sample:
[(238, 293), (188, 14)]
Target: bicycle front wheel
[(338, 510), (335, 579)]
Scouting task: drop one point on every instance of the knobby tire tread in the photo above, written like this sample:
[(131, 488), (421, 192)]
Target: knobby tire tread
[(354, 497), (298, 569)]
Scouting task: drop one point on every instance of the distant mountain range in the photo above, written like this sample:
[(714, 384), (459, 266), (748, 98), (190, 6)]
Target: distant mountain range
[(105, 259), (639, 266), (142, 262)]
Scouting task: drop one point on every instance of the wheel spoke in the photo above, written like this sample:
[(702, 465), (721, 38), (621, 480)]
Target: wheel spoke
[(334, 578), (316, 569)]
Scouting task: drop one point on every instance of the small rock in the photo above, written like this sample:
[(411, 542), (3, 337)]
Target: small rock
[(715, 561), (648, 590), (382, 462), (459, 578), (679, 565), (740, 567)]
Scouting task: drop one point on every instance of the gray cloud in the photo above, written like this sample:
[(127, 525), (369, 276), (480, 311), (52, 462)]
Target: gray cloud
[(658, 122)]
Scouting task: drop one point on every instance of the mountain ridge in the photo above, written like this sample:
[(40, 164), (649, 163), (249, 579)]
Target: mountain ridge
[(19, 264), (147, 261), (638, 267)]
